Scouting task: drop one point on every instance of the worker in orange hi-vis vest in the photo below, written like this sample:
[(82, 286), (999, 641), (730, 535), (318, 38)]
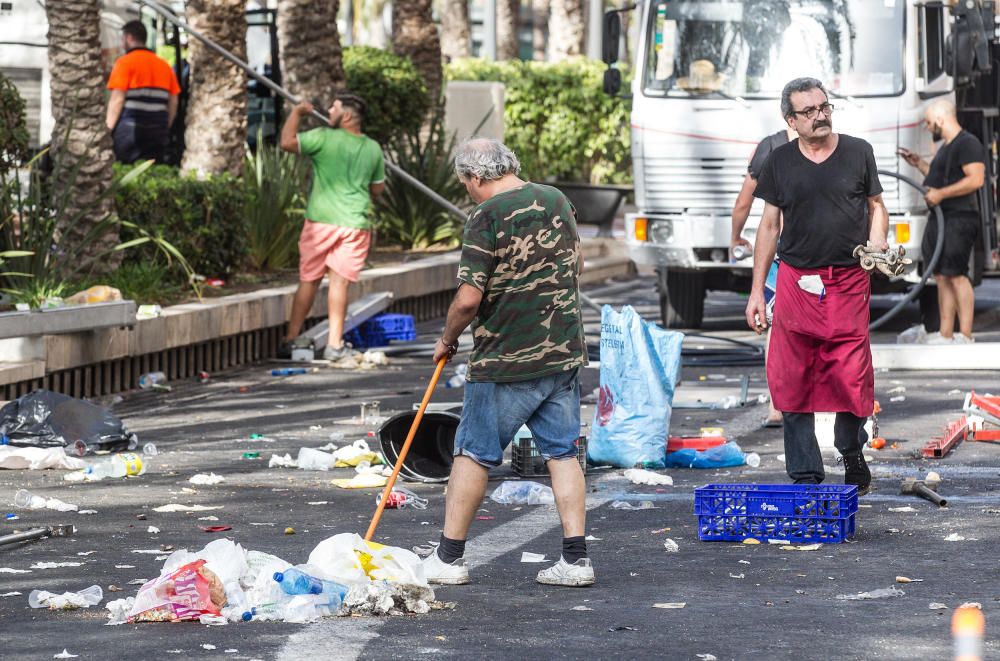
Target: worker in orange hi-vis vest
[(143, 101)]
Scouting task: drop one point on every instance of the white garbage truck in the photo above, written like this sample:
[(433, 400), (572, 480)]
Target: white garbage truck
[(706, 85)]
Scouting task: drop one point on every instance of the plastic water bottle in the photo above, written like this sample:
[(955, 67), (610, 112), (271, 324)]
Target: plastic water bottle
[(27, 500), (118, 466), (237, 606), (150, 450), (740, 252), (151, 380), (753, 459), (458, 379), (295, 581), (289, 371)]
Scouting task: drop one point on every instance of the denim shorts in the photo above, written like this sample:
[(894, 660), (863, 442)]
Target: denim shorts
[(493, 412)]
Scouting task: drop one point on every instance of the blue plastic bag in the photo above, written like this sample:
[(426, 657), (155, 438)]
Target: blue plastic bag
[(640, 365), (721, 456)]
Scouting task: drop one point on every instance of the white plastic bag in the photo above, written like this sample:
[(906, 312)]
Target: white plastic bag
[(513, 492)]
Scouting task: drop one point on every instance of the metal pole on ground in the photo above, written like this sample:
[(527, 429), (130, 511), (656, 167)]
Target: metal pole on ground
[(278, 89)]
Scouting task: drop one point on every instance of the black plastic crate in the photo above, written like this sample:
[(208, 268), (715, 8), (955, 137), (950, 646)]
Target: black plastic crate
[(528, 462)]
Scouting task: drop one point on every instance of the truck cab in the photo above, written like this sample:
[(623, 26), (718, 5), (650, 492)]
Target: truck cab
[(706, 89)]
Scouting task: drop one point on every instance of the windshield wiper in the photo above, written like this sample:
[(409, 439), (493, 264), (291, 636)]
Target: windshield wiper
[(736, 99)]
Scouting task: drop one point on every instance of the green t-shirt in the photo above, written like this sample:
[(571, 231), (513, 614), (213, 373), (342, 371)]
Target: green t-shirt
[(344, 165), (522, 250)]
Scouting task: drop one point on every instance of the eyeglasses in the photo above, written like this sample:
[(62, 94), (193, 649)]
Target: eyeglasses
[(809, 113)]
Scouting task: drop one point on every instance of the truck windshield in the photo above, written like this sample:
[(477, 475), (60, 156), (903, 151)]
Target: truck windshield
[(752, 48)]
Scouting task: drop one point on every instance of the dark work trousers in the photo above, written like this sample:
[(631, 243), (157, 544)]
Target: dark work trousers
[(803, 460), (137, 142)]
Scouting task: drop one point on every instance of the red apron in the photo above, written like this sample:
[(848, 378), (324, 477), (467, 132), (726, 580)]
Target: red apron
[(820, 357)]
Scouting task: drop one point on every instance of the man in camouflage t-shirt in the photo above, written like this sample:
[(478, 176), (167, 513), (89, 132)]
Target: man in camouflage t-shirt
[(518, 278)]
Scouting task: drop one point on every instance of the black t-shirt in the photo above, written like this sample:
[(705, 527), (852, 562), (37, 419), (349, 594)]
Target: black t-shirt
[(946, 169), (764, 149), (825, 205)]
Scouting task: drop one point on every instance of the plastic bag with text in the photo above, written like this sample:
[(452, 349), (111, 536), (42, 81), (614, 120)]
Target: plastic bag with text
[(185, 594), (640, 365)]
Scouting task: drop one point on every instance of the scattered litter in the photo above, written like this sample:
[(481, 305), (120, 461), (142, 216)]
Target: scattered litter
[(315, 427), (625, 505), (731, 575), (27, 500), (215, 528), (532, 557), (956, 391), (68, 600), (115, 588), (972, 604), (87, 512), (751, 540), (401, 497), (48, 419), (282, 461), (153, 530), (289, 531), (643, 476), (10, 594), (361, 481), (201, 478), (902, 509), (882, 593), (513, 492), (623, 629), (231, 650), (802, 547), (207, 646), (707, 657), (581, 608), (318, 502), (86, 553), (19, 458), (671, 546), (658, 531), (208, 518), (177, 507), (954, 537), (354, 454), (898, 390), (148, 551), (210, 620), (671, 604), (55, 565), (64, 655), (898, 398), (309, 459), (9, 570), (138, 581), (904, 579), (124, 566), (936, 606)]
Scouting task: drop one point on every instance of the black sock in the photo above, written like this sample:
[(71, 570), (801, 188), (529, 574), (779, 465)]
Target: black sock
[(574, 548), (450, 550)]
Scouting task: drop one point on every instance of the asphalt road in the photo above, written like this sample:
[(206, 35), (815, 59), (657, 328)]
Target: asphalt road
[(741, 601)]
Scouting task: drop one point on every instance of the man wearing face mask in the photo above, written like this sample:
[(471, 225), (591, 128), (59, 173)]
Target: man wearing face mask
[(825, 186), (953, 177), (348, 171)]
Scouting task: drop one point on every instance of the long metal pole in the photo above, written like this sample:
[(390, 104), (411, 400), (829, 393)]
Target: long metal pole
[(278, 89)]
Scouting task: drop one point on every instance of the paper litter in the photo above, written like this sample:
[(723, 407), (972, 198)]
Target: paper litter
[(643, 476), (202, 478)]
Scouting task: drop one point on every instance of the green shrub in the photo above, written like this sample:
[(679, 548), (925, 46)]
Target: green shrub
[(203, 219), (275, 185), (13, 127), (145, 283), (558, 120), (391, 86), (406, 216)]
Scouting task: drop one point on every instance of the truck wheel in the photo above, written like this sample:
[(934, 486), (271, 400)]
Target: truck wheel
[(682, 298), (930, 314)]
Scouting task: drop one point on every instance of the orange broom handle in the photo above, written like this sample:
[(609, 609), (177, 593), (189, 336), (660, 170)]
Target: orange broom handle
[(405, 449)]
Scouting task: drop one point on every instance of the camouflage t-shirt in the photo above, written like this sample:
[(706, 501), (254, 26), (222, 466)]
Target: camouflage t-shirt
[(521, 249)]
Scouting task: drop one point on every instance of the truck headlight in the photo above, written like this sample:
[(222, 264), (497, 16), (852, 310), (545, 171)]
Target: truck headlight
[(902, 232), (661, 231)]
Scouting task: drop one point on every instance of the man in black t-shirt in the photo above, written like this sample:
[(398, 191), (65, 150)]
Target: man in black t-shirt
[(825, 187), (953, 179)]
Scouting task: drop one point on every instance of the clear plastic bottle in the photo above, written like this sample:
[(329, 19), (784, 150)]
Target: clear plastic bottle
[(27, 500), (152, 379), (83, 599), (237, 605), (150, 450), (753, 459), (295, 581), (117, 466)]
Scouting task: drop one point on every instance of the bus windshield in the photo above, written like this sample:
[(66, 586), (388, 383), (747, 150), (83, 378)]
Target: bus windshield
[(752, 48)]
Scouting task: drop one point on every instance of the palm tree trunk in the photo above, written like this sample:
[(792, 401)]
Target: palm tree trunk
[(80, 138), (415, 36), (217, 111), (309, 44), (539, 25), (567, 28), (508, 21), (456, 37)]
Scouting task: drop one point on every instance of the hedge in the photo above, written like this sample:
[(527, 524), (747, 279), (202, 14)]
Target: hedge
[(391, 87), (557, 118)]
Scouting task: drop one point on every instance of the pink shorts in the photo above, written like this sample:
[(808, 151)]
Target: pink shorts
[(325, 247)]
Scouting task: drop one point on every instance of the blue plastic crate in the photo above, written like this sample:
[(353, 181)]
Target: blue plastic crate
[(382, 329), (792, 512)]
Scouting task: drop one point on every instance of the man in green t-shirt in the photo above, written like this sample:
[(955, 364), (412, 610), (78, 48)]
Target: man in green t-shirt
[(348, 170), (519, 281)]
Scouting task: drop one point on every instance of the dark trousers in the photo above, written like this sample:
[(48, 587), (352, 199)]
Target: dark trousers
[(803, 460), (137, 142)]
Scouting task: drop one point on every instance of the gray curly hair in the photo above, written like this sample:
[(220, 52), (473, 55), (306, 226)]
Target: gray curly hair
[(485, 158), (798, 85)]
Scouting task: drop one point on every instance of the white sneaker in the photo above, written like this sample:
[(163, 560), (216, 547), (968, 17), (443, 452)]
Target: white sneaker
[(438, 571), (963, 339), (938, 338), (576, 575)]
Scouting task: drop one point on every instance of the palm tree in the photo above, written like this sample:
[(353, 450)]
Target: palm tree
[(217, 111), (455, 32), (508, 21), (567, 28), (309, 44), (81, 143), (539, 28), (415, 36)]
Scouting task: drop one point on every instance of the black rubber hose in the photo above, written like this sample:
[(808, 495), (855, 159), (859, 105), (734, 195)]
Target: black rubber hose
[(928, 268)]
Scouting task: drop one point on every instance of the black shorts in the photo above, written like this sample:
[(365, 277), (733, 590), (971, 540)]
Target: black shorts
[(961, 229)]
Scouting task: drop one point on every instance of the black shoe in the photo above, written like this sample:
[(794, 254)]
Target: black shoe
[(285, 351), (856, 472), (806, 480)]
